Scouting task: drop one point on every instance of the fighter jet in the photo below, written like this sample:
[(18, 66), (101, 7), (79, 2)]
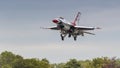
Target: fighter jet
[(70, 28)]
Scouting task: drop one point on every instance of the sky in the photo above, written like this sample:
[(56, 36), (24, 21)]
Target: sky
[(20, 33)]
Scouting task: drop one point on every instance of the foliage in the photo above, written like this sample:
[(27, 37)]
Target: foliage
[(73, 63), (10, 60)]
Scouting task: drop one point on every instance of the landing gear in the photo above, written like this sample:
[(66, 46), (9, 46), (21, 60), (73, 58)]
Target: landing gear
[(75, 38), (63, 34), (69, 35), (62, 37)]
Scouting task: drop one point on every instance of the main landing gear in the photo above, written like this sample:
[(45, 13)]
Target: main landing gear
[(69, 35), (62, 36), (75, 38)]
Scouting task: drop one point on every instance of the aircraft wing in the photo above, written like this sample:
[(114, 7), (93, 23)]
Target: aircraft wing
[(52, 28), (84, 28)]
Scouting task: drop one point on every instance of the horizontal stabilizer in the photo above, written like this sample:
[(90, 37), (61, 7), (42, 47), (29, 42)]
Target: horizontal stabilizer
[(84, 28), (98, 28), (89, 33)]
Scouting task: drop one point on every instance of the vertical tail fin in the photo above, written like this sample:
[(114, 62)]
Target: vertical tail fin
[(76, 19)]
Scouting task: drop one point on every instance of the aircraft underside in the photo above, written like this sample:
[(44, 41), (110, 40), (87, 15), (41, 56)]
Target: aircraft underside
[(69, 33)]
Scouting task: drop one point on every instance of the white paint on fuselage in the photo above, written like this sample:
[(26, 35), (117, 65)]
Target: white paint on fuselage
[(66, 24), (65, 21), (61, 21)]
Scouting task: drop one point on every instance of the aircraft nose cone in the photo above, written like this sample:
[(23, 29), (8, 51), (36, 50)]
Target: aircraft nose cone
[(55, 21)]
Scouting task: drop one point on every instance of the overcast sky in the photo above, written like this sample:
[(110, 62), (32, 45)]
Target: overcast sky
[(20, 32)]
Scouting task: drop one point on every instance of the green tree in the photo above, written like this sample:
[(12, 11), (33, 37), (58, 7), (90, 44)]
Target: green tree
[(73, 63), (6, 66), (60, 65), (98, 62), (18, 62), (10, 60), (7, 59), (44, 63), (31, 63), (86, 64)]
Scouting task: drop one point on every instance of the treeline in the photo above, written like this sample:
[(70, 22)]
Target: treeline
[(10, 60)]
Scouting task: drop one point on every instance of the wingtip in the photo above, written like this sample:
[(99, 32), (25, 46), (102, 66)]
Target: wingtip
[(79, 12), (43, 28), (98, 28)]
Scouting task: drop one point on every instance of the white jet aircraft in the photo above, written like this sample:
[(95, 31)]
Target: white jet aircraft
[(70, 28)]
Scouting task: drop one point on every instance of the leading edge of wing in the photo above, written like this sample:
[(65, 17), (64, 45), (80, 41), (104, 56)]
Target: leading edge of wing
[(52, 28), (84, 28)]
